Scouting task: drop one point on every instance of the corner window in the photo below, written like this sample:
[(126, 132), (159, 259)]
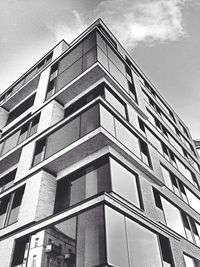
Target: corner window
[(7, 180), (20, 109), (144, 153), (82, 184), (125, 183), (9, 207)]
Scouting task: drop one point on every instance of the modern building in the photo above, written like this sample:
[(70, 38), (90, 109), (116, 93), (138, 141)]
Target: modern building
[(96, 168)]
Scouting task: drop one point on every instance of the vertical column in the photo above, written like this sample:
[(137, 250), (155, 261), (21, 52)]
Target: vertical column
[(50, 114), (41, 90)]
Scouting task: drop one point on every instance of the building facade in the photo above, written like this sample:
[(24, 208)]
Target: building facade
[(96, 169)]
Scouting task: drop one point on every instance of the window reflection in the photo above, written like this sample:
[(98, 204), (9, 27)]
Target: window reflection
[(173, 217), (143, 245), (124, 183), (116, 238)]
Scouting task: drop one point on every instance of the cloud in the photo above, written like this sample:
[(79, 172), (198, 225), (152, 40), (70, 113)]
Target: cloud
[(63, 30), (132, 21)]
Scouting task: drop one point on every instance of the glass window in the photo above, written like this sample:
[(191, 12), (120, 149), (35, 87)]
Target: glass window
[(117, 252), (116, 60), (124, 183), (23, 133), (144, 152), (101, 43), (91, 238), (83, 184), (21, 246), (143, 246), (21, 108), (89, 120), (127, 138), (7, 180), (175, 186), (51, 88), (182, 169), (189, 262), (3, 209), (173, 217), (102, 58), (69, 74), (63, 137), (17, 86), (10, 142), (154, 140), (194, 201), (118, 105), (39, 151), (107, 120), (186, 224), (167, 177), (120, 78), (30, 75), (34, 125), (16, 203), (89, 42), (166, 251), (89, 58), (70, 58)]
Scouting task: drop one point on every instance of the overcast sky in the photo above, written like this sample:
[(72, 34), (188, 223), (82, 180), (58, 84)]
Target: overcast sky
[(162, 36)]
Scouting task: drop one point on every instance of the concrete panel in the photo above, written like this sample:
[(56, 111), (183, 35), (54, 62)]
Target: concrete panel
[(59, 49), (51, 114), (25, 161), (41, 90), (39, 197)]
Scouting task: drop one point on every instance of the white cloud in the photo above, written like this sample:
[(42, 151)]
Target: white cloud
[(135, 21), (132, 21), (63, 30)]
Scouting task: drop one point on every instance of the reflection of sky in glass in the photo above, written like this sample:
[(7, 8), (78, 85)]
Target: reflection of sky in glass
[(116, 238), (193, 200), (189, 261), (124, 183), (143, 246), (173, 217), (127, 138), (68, 227)]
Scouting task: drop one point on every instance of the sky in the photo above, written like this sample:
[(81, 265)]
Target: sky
[(162, 36)]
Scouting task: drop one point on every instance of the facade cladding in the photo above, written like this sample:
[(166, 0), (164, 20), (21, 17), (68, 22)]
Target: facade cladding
[(96, 169)]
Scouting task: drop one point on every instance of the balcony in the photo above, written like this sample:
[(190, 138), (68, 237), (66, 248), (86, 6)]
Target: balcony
[(53, 249)]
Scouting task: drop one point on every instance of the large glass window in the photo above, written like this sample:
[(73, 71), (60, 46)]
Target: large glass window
[(130, 244), (21, 109), (173, 217), (82, 184), (143, 246), (117, 104), (91, 238), (9, 207), (16, 203), (189, 261), (67, 134), (194, 201), (127, 138), (124, 183), (20, 135), (62, 137), (7, 180), (167, 177), (117, 252)]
